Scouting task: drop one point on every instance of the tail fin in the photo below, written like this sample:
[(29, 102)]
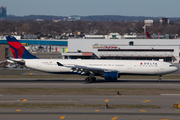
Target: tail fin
[(148, 35), (18, 50)]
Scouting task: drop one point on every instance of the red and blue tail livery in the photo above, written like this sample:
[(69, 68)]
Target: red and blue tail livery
[(18, 50)]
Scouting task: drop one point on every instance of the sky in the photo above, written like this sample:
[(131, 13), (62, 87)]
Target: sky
[(150, 8)]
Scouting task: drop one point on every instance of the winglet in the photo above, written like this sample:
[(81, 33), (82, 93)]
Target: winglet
[(18, 50)]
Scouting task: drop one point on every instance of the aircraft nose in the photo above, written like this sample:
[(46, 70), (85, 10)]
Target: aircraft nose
[(176, 69)]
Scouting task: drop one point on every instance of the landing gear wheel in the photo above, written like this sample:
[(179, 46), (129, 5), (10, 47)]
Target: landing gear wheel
[(160, 78), (93, 79), (90, 79), (87, 79)]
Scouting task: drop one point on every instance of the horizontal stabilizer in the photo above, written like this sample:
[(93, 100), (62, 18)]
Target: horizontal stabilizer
[(18, 61)]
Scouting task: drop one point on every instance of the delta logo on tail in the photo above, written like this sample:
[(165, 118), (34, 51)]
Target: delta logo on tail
[(18, 50)]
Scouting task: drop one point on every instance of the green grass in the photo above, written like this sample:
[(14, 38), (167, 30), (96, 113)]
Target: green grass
[(71, 105), (87, 91), (42, 76), (83, 77), (149, 77)]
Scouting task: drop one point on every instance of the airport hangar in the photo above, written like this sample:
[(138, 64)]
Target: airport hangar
[(136, 49)]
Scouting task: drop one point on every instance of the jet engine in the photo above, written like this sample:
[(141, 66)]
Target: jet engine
[(113, 75)]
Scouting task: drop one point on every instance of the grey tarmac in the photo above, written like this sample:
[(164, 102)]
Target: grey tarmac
[(166, 101), (88, 114), (79, 83)]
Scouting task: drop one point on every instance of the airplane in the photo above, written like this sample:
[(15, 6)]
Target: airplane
[(110, 70)]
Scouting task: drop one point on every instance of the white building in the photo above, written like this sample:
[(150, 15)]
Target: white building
[(110, 36), (130, 36)]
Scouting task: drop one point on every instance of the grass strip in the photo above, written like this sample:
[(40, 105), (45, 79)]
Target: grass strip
[(88, 91), (71, 105), (83, 77), (42, 76)]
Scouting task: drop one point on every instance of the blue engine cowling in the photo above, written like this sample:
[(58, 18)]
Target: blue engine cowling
[(111, 75)]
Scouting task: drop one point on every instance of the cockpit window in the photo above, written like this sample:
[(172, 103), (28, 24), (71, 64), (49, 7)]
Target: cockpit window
[(171, 65)]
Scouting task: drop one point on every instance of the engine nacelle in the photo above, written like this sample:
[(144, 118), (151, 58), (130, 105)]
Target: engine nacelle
[(113, 75)]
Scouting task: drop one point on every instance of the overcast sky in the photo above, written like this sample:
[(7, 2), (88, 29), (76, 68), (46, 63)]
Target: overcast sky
[(151, 8)]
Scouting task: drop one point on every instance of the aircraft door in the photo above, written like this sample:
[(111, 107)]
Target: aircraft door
[(162, 66), (38, 63), (129, 66)]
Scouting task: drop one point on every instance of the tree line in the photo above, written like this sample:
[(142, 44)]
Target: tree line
[(28, 27)]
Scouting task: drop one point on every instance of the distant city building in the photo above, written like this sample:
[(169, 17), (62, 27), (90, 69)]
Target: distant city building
[(56, 20), (74, 18), (151, 22), (3, 12), (40, 20), (70, 18), (148, 23), (164, 20)]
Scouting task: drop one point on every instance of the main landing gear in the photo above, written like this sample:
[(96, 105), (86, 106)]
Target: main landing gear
[(90, 79), (160, 78)]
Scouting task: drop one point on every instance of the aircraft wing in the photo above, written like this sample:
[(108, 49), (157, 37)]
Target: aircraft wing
[(86, 68), (83, 68)]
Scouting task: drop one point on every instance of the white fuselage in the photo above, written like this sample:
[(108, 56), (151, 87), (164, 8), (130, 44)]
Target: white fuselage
[(140, 67)]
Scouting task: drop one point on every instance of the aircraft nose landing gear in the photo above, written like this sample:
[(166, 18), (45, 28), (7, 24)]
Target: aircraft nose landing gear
[(90, 79), (160, 78)]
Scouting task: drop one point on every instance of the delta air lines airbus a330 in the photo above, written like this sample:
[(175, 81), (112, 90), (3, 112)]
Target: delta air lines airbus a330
[(109, 69)]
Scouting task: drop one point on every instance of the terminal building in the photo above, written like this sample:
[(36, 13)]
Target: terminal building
[(136, 49)]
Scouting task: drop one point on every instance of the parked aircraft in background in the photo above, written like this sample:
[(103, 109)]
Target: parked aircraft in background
[(109, 69), (148, 35)]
